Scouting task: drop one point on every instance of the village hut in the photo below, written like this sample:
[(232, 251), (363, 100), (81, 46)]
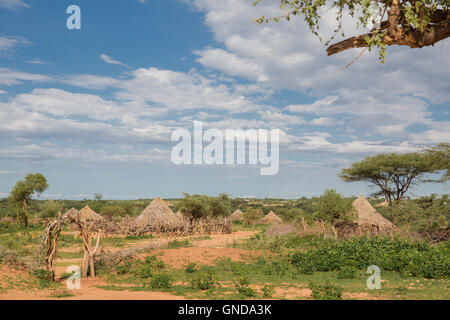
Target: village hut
[(237, 215), (88, 214), (158, 216), (368, 221), (271, 218), (71, 213)]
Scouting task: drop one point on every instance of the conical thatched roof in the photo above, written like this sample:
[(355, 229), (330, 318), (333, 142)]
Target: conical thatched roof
[(368, 215), (88, 214), (368, 221), (179, 215), (158, 215), (71, 213), (237, 215), (271, 218)]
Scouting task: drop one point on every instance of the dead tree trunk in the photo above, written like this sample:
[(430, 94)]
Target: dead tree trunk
[(89, 250), (51, 241)]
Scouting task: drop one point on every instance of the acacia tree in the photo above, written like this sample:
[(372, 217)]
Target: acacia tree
[(413, 23), (440, 155), (24, 189), (392, 173)]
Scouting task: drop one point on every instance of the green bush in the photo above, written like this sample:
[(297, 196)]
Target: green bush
[(175, 244), (205, 281), (115, 211), (41, 274), (124, 267), (268, 291), (161, 281), (326, 291), (415, 258), (243, 289), (190, 267), (347, 272), (332, 206)]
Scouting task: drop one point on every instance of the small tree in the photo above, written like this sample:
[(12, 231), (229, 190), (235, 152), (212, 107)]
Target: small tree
[(24, 189), (199, 206), (392, 173), (332, 207), (252, 215)]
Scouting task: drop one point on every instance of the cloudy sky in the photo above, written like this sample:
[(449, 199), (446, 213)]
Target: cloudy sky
[(94, 109)]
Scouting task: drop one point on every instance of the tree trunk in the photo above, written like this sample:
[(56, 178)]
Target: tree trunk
[(25, 209)]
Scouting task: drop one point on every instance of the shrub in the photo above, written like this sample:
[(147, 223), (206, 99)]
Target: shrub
[(115, 211), (175, 244), (123, 268), (347, 272), (41, 274), (161, 281), (145, 271), (190, 267), (326, 291), (268, 291), (203, 282), (332, 206), (242, 287), (415, 258)]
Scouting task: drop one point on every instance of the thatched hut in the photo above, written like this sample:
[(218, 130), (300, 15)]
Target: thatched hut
[(271, 218), (71, 213), (157, 216), (179, 215), (368, 221), (237, 215), (88, 214)]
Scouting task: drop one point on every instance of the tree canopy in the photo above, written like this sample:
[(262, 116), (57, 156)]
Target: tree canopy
[(440, 155), (393, 173), (199, 206), (333, 207), (413, 23), (24, 189)]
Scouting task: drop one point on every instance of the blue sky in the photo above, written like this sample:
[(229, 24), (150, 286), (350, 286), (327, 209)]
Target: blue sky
[(93, 109)]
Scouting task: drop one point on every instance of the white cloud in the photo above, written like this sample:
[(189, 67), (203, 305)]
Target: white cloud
[(36, 61), (12, 4), (7, 43), (182, 91), (45, 152), (319, 143), (231, 64), (110, 60), (10, 77)]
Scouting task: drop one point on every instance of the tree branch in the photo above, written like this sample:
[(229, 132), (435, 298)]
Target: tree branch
[(411, 38)]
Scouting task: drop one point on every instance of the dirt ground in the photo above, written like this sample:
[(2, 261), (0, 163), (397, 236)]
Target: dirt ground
[(204, 251)]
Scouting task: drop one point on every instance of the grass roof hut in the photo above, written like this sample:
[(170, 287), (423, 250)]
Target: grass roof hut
[(368, 221), (88, 214), (158, 217), (271, 218), (237, 215), (71, 213)]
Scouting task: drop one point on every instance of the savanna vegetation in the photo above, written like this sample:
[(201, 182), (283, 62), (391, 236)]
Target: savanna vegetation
[(301, 258)]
